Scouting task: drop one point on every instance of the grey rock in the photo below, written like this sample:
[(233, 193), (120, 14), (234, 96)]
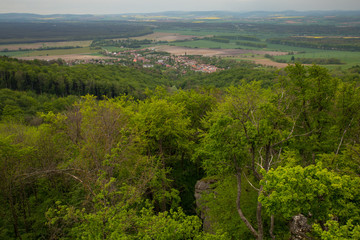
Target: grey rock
[(203, 187), (299, 227)]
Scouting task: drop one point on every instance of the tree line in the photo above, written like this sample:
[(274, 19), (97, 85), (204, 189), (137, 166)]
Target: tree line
[(327, 43), (62, 80)]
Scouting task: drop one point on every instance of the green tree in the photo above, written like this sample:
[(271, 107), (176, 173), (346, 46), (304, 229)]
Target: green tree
[(310, 92), (163, 127), (247, 131), (322, 195)]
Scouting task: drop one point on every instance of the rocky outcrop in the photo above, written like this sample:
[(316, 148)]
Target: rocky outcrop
[(203, 187), (299, 227)]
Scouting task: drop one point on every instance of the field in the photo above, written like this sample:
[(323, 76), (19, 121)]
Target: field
[(193, 36), (206, 44), (348, 58), (164, 36), (15, 47), (55, 52), (70, 57)]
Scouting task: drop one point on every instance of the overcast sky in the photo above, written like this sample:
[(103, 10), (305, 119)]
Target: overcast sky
[(143, 6)]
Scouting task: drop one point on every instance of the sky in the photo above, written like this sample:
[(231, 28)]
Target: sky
[(147, 6)]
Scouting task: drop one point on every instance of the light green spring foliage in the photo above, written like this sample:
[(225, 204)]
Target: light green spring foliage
[(313, 191), (249, 120), (168, 225), (162, 124), (225, 143), (124, 222), (104, 133), (196, 104), (221, 147), (102, 168), (337, 231)]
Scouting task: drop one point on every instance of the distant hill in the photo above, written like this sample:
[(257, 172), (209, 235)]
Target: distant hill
[(20, 17)]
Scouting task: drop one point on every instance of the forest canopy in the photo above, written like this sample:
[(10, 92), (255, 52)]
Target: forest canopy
[(104, 152)]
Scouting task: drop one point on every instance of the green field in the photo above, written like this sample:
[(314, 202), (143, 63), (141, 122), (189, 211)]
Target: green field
[(197, 32), (349, 58), (205, 44), (85, 50)]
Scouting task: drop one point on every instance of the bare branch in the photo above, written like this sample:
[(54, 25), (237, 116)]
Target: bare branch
[(342, 137), (261, 158), (355, 151), (57, 171), (289, 137), (251, 183)]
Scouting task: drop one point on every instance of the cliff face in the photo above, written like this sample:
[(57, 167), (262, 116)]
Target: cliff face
[(202, 187)]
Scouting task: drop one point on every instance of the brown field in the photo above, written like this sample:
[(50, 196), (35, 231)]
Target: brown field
[(70, 57), (268, 62), (44, 44)]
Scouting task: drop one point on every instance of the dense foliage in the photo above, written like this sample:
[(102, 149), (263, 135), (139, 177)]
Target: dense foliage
[(128, 43), (123, 167), (57, 78)]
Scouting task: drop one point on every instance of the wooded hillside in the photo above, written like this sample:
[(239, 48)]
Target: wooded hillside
[(100, 152)]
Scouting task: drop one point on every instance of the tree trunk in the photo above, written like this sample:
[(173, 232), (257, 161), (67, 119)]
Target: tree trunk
[(14, 215), (259, 218), (272, 223), (163, 200)]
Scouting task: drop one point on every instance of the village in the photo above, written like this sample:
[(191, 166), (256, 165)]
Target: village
[(149, 58)]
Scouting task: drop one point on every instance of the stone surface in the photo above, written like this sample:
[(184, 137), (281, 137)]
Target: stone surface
[(203, 187), (299, 227)]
